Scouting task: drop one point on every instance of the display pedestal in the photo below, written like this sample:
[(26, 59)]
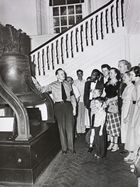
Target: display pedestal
[(22, 162)]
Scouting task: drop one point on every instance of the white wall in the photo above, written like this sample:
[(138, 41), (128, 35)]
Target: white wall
[(19, 13), (38, 40), (132, 16), (98, 3), (134, 48)]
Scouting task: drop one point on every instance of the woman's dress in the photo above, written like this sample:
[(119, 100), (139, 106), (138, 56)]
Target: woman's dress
[(113, 118), (137, 115), (128, 97)]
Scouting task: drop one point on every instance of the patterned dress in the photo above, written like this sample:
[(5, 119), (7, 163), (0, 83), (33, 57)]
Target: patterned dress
[(113, 124)]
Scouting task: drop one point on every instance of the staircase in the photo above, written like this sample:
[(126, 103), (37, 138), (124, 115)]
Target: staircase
[(99, 38)]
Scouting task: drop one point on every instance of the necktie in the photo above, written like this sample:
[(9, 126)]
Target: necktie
[(64, 96)]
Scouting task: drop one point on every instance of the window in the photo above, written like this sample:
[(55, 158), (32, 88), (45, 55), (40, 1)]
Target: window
[(65, 15), (64, 2)]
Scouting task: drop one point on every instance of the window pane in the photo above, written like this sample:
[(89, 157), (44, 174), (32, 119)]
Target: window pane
[(78, 18), (78, 9), (63, 10), (63, 29), (73, 1), (64, 20), (71, 20), (59, 2), (56, 11), (57, 30), (56, 21), (70, 9)]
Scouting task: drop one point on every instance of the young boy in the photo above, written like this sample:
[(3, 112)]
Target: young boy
[(95, 93), (99, 128)]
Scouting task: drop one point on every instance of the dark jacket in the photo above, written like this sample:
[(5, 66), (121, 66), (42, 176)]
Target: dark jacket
[(120, 91), (99, 85)]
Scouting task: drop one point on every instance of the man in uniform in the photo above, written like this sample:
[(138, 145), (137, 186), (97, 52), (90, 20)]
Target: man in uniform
[(64, 109)]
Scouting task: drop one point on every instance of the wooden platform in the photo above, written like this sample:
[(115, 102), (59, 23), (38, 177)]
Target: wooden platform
[(23, 161)]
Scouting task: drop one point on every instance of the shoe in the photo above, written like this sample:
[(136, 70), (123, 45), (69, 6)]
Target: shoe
[(128, 157), (122, 152), (96, 156), (90, 149), (132, 166), (110, 146), (132, 170), (130, 161), (115, 148), (64, 152), (72, 151)]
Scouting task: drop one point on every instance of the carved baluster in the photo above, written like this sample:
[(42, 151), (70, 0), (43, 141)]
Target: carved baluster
[(33, 57), (96, 27), (86, 31), (91, 31), (101, 24), (62, 56), (57, 52), (67, 53), (43, 63), (52, 56), (122, 12), (81, 37), (71, 41), (48, 65), (106, 21), (112, 26), (117, 14), (76, 37), (38, 63)]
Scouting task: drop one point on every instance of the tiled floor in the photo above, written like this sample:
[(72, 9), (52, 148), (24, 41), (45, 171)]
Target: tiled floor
[(83, 170)]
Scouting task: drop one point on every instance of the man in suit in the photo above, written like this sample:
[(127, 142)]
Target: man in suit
[(96, 82)]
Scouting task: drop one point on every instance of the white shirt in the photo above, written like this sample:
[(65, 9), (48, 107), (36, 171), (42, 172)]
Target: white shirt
[(76, 92), (80, 85), (100, 117), (92, 87)]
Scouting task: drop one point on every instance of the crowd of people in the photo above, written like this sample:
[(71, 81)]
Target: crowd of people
[(106, 106)]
